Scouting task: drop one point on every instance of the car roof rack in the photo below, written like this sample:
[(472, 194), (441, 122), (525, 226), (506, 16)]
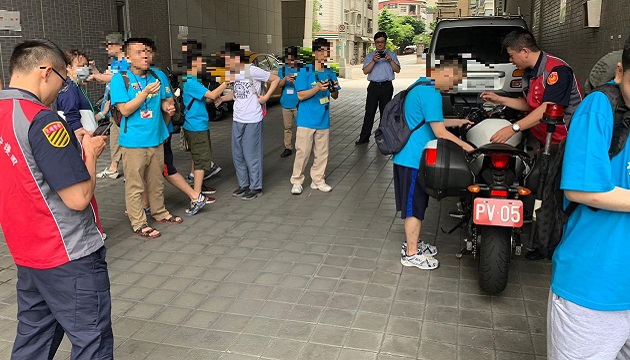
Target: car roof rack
[(507, 16)]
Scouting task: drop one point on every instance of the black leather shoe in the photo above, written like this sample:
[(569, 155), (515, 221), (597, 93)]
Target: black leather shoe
[(286, 153), (361, 142)]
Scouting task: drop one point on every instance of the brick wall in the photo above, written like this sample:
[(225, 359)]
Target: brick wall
[(80, 24), (149, 18), (581, 47)]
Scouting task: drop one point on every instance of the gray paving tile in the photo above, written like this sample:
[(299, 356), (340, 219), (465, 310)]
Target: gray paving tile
[(216, 340), (513, 341), (249, 344), (439, 332), (318, 351), (231, 322), (373, 305), (201, 319), (351, 354), (173, 315), (475, 337), (202, 354), (364, 340), (370, 321), (337, 317), (295, 330), (401, 346), (472, 353), (404, 326), (135, 349), (284, 349), (432, 350)]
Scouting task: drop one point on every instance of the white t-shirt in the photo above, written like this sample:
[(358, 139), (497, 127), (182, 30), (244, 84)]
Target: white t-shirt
[(247, 109)]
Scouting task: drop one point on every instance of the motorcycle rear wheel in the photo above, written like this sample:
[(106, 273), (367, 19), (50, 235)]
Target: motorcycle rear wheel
[(495, 252)]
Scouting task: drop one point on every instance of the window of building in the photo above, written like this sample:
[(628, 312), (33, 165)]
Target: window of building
[(403, 9)]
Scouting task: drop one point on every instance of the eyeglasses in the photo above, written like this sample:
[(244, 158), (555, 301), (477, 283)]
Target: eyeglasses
[(380, 42), (64, 80)]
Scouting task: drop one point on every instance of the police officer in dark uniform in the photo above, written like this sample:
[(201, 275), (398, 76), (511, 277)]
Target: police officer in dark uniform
[(546, 80), (48, 214)]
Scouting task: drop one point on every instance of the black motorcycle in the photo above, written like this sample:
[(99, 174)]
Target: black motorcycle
[(491, 183)]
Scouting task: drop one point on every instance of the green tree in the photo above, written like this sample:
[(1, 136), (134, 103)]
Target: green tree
[(316, 25), (418, 25)]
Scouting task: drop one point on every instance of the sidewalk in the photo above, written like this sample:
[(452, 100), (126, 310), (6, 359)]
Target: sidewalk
[(315, 276)]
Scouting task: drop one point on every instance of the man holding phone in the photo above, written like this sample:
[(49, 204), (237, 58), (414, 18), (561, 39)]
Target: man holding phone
[(141, 98), (380, 66)]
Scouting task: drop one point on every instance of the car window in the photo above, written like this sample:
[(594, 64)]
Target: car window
[(274, 64), (483, 42), (262, 62)]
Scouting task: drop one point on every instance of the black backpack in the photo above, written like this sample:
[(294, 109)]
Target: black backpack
[(393, 132), (551, 216)]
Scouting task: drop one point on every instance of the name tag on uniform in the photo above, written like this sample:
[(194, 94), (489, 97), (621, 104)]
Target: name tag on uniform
[(290, 91), (324, 100), (146, 114)]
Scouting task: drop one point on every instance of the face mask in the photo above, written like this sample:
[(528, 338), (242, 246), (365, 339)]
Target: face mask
[(83, 73)]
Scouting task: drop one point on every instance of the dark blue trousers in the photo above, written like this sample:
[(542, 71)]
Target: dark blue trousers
[(73, 299)]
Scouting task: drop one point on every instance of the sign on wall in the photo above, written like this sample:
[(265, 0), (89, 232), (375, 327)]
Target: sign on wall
[(563, 11), (10, 20)]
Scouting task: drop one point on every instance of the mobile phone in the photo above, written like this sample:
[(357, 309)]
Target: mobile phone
[(102, 130)]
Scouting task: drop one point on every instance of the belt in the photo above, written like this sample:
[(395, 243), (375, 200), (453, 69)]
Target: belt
[(381, 82)]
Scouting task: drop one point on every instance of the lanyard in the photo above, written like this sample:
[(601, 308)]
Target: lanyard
[(84, 94), (145, 106)]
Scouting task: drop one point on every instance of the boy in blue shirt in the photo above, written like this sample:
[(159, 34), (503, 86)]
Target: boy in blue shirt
[(289, 99), (588, 313), (315, 85), (424, 102), (143, 132), (197, 124)]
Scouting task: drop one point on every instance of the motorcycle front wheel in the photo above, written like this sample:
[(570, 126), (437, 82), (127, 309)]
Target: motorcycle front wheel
[(495, 251)]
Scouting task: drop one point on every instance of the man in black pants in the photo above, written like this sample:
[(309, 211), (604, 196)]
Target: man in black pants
[(380, 66)]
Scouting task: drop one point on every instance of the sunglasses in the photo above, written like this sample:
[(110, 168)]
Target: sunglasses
[(64, 80)]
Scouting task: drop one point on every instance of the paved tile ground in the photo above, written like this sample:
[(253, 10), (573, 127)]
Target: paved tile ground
[(315, 276)]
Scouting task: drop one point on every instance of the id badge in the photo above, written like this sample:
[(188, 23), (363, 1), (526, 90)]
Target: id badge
[(290, 91), (324, 100), (146, 114)]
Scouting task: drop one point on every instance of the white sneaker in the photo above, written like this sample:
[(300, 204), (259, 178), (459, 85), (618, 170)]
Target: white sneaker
[(423, 248), (296, 189), (106, 174), (323, 187), (420, 261)]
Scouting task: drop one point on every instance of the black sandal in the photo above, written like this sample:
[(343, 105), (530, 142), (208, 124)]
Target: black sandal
[(148, 233), (172, 220)]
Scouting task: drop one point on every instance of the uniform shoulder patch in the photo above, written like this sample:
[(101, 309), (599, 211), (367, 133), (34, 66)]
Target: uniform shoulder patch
[(552, 78), (56, 134)]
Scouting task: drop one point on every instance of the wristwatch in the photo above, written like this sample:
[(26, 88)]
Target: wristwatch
[(516, 127)]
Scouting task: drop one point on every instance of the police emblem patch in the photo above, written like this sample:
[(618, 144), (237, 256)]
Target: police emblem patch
[(552, 78), (56, 134)]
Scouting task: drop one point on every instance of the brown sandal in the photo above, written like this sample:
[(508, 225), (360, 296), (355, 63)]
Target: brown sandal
[(173, 219), (148, 232)]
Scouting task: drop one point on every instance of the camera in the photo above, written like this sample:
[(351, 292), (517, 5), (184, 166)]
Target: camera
[(381, 53), (330, 83)]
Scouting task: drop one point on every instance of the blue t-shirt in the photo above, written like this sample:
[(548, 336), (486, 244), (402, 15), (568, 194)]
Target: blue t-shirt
[(71, 102), (197, 116), (167, 89), (289, 99), (115, 67), (590, 265), (424, 102), (314, 112), (145, 127)]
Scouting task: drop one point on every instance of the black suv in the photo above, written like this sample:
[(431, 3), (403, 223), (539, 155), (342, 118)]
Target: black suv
[(479, 39)]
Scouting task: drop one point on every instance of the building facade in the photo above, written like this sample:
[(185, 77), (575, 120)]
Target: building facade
[(414, 8), (349, 25), (567, 31), (453, 8)]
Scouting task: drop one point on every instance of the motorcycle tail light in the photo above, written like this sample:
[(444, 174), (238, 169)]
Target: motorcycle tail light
[(498, 193), (500, 161), (516, 84), (431, 157)]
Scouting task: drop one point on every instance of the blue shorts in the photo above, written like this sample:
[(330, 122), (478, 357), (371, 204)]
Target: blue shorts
[(411, 198)]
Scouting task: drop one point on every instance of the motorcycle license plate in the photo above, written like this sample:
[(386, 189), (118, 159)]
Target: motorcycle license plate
[(498, 212)]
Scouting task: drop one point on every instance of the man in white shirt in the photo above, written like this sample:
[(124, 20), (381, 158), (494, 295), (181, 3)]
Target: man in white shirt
[(247, 131)]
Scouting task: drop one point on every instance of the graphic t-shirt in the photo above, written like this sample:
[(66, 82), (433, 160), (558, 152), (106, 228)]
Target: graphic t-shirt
[(197, 116), (590, 265), (145, 127), (289, 99), (314, 112), (424, 102), (247, 109)]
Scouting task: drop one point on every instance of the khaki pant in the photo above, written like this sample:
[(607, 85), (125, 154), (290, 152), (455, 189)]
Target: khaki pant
[(114, 148), (288, 117), (143, 172), (305, 141)]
